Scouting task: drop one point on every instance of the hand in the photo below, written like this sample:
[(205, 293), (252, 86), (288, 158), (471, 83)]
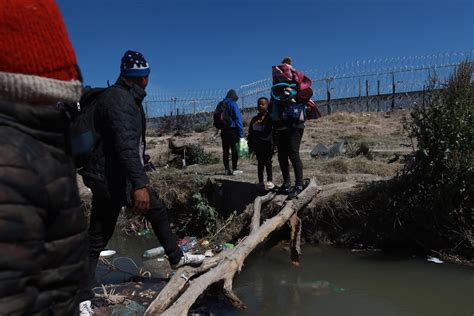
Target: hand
[(141, 200)]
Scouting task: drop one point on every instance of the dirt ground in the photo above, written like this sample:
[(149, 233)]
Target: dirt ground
[(383, 133)]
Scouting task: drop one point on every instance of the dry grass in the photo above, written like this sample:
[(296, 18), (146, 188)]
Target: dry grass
[(174, 187), (347, 117), (358, 165), (375, 129)]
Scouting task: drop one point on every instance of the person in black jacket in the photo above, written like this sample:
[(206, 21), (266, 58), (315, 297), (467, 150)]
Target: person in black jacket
[(42, 220), (115, 173), (289, 116), (260, 141)]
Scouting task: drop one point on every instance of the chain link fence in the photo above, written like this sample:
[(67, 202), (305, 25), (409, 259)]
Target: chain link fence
[(363, 85)]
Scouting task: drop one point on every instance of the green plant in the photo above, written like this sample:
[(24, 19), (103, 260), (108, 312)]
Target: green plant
[(197, 155), (204, 216), (439, 181), (363, 149), (200, 181)]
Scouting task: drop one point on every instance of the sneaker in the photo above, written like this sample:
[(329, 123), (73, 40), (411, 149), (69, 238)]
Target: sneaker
[(269, 185), (294, 193), (85, 308), (285, 189), (237, 172), (189, 260), (228, 172)]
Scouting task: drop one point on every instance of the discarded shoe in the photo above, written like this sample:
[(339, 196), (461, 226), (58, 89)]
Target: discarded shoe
[(189, 260), (237, 172), (85, 308)]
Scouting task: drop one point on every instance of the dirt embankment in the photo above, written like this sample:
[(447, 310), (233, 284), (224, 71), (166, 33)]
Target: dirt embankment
[(383, 134), (347, 212)]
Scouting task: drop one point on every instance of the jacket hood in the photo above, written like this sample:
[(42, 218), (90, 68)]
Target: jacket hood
[(232, 95)]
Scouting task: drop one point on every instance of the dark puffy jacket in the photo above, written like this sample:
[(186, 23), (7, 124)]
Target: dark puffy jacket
[(120, 121), (42, 223), (260, 132)]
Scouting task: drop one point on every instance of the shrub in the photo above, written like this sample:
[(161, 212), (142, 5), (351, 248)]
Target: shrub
[(439, 188), (197, 155), (363, 149)]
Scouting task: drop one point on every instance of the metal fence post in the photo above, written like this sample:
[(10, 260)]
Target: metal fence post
[(423, 102), (393, 92), (367, 94), (360, 95), (328, 91), (378, 95)]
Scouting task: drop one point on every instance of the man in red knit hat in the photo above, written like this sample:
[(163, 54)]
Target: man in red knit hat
[(42, 222)]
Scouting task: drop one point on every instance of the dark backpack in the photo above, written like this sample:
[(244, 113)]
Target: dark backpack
[(222, 118), (82, 132), (293, 113)]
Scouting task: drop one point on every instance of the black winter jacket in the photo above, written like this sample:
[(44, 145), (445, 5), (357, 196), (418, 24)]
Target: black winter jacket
[(118, 160), (42, 223), (261, 133)]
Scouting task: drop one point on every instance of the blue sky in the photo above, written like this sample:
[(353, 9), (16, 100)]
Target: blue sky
[(221, 44)]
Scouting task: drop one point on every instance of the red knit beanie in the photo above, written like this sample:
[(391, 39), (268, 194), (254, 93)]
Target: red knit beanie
[(37, 61)]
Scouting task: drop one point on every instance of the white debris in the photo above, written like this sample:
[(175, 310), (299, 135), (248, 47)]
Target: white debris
[(435, 260)]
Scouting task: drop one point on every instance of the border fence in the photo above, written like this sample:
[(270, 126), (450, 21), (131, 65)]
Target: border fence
[(364, 85)]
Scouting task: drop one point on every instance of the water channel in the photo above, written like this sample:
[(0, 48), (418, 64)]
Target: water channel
[(335, 281)]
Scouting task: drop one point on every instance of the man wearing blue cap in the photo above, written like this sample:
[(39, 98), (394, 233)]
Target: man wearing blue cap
[(115, 173)]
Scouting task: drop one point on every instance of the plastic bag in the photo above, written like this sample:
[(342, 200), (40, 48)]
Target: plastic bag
[(243, 148)]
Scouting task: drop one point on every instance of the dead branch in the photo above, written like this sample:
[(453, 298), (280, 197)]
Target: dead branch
[(257, 206), (225, 264)]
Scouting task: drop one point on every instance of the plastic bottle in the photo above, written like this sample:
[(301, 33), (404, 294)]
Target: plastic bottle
[(188, 243), (154, 252)]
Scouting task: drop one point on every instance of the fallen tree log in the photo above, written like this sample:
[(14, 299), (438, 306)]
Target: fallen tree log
[(176, 299), (240, 223)]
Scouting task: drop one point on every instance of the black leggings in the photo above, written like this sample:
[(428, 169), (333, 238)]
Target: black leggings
[(103, 219), (264, 153), (230, 138), (288, 143)]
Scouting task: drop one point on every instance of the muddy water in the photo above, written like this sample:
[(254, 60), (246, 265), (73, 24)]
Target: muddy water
[(332, 281)]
